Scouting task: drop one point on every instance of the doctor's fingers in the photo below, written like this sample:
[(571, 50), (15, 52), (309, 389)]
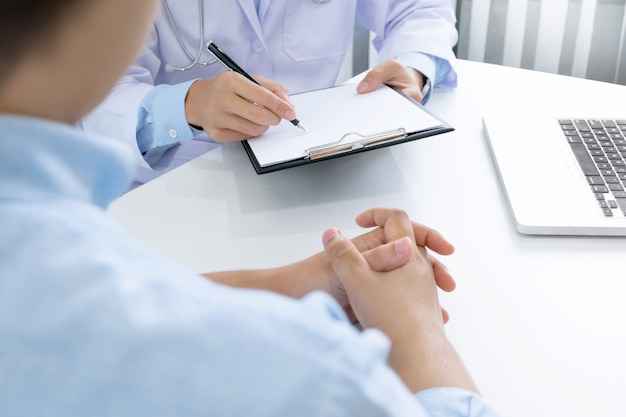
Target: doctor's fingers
[(237, 118), (415, 93), (393, 73), (230, 127), (275, 101), (408, 80), (380, 74), (276, 88)]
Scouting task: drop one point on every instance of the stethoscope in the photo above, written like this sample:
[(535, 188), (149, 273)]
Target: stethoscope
[(195, 60)]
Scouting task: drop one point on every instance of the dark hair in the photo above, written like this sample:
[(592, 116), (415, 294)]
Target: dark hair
[(24, 24)]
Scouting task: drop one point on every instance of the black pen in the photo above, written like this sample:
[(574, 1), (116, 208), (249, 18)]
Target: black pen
[(232, 65)]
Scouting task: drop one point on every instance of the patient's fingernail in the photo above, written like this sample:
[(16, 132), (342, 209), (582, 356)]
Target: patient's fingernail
[(403, 246), (330, 234)]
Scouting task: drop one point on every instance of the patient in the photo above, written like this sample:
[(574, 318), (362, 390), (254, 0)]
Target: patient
[(92, 323)]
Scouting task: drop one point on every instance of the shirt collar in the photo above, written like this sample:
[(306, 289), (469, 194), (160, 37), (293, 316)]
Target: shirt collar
[(45, 159)]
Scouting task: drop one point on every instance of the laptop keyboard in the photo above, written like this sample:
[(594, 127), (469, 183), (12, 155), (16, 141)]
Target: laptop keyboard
[(600, 148)]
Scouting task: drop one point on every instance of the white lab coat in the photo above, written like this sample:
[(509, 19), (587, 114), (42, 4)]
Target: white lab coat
[(299, 43)]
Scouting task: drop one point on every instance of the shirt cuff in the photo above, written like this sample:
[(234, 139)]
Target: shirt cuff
[(457, 402), (162, 121)]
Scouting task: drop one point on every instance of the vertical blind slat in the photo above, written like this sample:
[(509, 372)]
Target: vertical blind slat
[(584, 38)]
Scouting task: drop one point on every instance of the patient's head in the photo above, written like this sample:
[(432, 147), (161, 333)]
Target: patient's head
[(59, 58)]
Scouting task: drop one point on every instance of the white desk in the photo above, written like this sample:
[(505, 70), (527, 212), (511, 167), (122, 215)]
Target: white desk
[(538, 320)]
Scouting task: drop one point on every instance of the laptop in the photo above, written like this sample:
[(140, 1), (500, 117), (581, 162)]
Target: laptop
[(561, 175)]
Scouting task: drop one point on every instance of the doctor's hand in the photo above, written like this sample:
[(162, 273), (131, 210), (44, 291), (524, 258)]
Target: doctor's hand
[(230, 107), (394, 74)]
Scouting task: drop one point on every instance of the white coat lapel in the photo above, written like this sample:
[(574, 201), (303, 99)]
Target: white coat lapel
[(250, 11)]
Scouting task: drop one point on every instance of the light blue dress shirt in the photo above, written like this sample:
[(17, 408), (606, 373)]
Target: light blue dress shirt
[(94, 324)]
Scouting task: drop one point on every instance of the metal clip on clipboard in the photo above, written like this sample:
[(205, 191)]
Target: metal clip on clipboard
[(338, 147)]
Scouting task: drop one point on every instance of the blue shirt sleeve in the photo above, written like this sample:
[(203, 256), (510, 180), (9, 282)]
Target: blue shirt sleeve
[(161, 118), (445, 402)]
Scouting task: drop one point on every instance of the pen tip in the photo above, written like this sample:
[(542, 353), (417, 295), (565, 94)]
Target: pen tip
[(302, 127)]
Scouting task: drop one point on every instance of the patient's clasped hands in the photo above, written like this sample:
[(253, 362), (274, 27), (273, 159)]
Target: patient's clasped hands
[(386, 271), (390, 284)]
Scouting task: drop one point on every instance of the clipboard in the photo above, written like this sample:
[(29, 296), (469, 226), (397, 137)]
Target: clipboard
[(342, 122)]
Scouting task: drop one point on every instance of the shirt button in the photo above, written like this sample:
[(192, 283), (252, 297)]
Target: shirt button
[(173, 133), (258, 46)]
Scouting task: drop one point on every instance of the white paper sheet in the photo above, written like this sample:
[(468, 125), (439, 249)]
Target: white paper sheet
[(331, 113)]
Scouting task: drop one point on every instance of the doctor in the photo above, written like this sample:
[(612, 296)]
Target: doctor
[(176, 90)]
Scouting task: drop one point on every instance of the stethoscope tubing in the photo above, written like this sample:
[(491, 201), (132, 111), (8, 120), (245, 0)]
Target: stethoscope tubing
[(195, 60)]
